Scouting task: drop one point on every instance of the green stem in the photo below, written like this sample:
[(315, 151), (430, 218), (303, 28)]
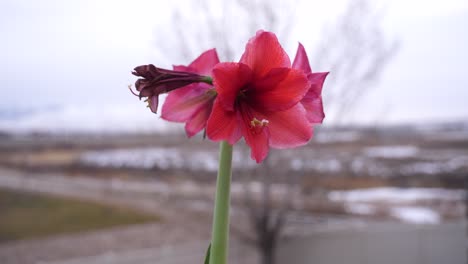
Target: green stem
[(220, 235)]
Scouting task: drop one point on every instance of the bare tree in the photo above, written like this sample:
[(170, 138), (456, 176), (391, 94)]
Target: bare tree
[(269, 208), (354, 49), (225, 25)]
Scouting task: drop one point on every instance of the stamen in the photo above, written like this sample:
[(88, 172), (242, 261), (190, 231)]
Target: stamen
[(258, 123), (257, 126), (130, 88)]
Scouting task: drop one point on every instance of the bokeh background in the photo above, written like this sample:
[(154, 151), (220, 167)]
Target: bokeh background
[(89, 175)]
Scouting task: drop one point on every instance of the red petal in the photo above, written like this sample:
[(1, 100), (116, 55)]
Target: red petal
[(229, 79), (263, 53), (223, 125), (289, 128), (203, 64), (256, 139), (301, 61), (198, 121), (317, 80), (274, 94), (183, 103)]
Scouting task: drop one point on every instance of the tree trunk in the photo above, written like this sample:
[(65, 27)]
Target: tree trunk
[(267, 256), (267, 249)]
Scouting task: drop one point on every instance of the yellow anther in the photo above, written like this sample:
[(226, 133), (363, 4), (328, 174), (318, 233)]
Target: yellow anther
[(261, 123)]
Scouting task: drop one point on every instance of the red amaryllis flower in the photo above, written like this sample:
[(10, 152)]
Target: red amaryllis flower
[(312, 101), (156, 81), (192, 104), (259, 99)]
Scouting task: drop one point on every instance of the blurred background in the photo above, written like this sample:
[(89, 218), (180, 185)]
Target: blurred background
[(89, 175)]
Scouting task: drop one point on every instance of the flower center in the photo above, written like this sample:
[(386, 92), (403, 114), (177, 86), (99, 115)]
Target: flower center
[(257, 125)]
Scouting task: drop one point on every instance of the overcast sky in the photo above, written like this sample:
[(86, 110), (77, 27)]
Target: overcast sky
[(82, 52)]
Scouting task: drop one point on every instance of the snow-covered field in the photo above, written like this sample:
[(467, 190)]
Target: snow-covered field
[(161, 157), (389, 152), (370, 161), (413, 205), (397, 195)]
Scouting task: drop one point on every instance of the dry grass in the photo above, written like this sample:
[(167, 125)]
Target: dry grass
[(28, 215)]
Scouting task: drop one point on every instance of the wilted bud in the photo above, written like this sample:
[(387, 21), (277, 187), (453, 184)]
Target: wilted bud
[(157, 81)]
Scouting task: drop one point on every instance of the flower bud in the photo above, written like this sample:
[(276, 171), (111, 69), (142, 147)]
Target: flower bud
[(156, 81)]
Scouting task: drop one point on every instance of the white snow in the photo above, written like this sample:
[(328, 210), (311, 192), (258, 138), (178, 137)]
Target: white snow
[(436, 167), (416, 215), (146, 158), (396, 195), (337, 136), (328, 165), (400, 203), (392, 152), (161, 157)]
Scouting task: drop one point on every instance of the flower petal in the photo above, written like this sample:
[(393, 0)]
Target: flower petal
[(256, 138), (153, 103), (205, 62), (202, 64), (314, 108), (183, 68), (198, 121), (278, 94), (181, 104), (301, 61), (222, 124), (229, 78), (263, 53), (317, 79), (289, 128)]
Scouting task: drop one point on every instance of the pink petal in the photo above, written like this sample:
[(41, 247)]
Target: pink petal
[(223, 125), (312, 101), (274, 94), (263, 53), (201, 65), (317, 80), (198, 121), (289, 128), (183, 68), (256, 139), (301, 61), (181, 104), (229, 79), (205, 62), (314, 108)]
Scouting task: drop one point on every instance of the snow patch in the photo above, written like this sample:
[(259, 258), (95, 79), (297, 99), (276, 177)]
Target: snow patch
[(397, 195), (330, 165), (331, 136), (392, 152), (434, 167), (416, 215), (160, 157)]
